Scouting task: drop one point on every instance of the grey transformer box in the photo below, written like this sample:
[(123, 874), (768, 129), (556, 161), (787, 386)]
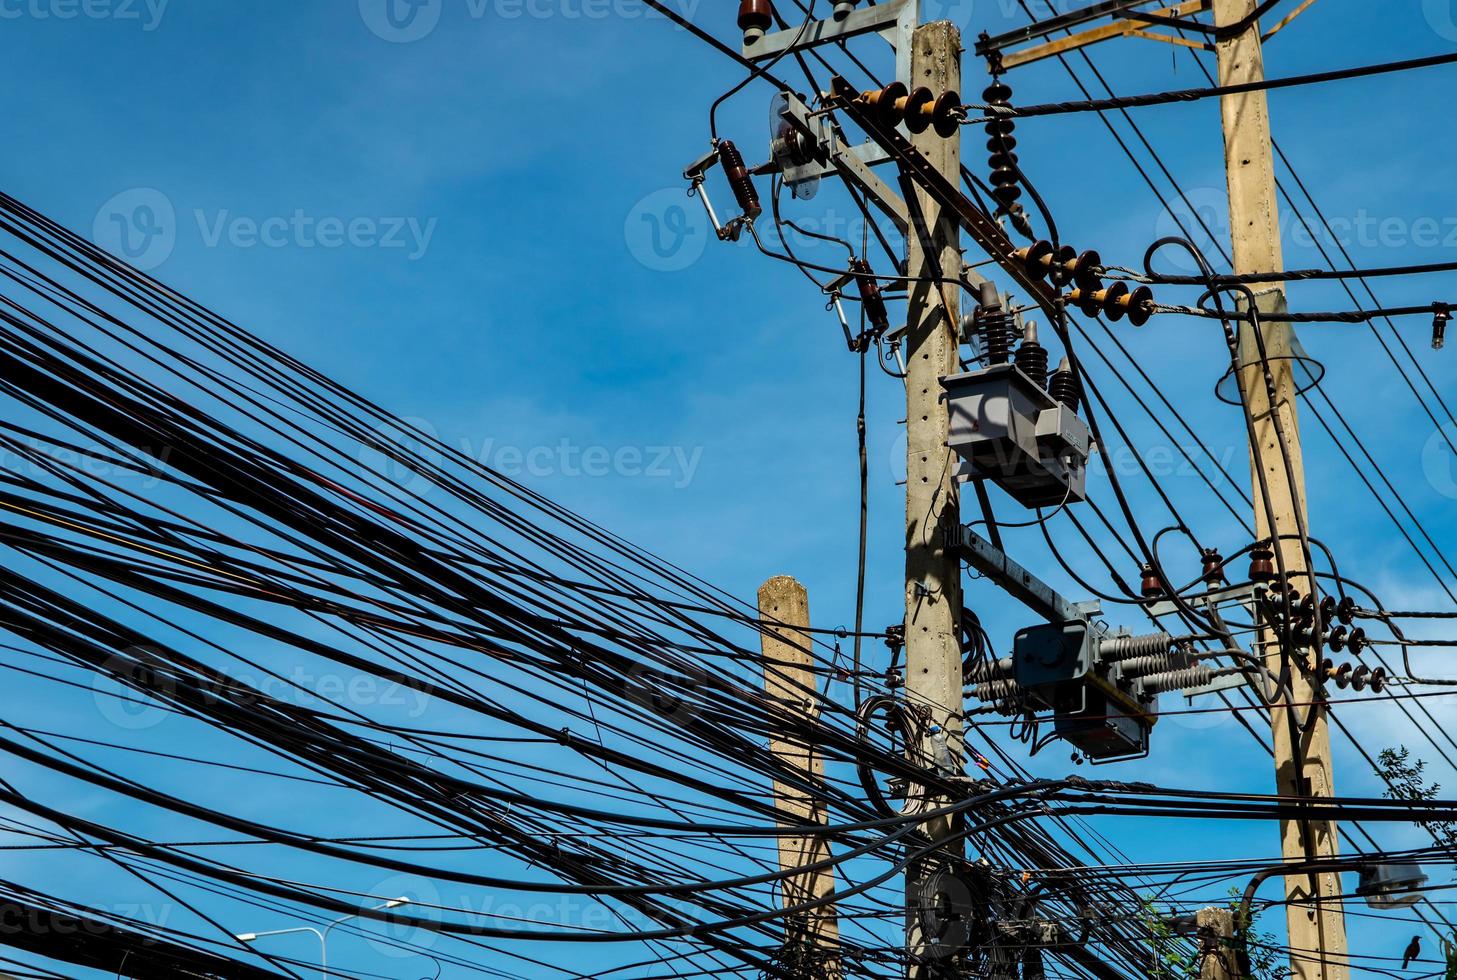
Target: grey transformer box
[(1010, 431)]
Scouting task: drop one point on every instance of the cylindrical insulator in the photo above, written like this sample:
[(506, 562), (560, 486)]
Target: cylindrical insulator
[(755, 18), (1178, 680), (843, 9), (1123, 647), (1063, 386), (995, 325), (1032, 356), (990, 671), (870, 296), (1151, 587), (1003, 692), (1213, 570), (996, 330), (1154, 664), (1262, 562), (739, 180)]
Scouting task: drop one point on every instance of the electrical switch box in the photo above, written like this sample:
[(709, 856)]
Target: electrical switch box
[(1010, 431)]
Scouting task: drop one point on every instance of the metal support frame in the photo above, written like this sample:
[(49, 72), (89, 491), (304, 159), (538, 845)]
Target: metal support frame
[(1021, 584), (853, 163), (1134, 25), (895, 20), (1062, 22), (1246, 596)]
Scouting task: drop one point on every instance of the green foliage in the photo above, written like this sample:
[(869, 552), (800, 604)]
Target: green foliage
[(1176, 958), (1406, 780), (1171, 958)]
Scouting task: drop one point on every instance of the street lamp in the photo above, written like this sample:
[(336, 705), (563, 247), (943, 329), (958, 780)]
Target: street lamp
[(322, 936)]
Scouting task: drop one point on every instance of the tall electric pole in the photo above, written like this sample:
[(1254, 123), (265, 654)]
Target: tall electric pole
[(811, 940), (933, 572), (1302, 757)]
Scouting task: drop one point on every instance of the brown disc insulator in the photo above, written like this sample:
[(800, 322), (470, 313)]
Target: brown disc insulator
[(1346, 610), (1360, 676), (1037, 259), (1088, 301), (1060, 266), (1357, 641), (1084, 271), (755, 18), (1262, 562), (1138, 305), (1342, 676), (915, 109), (887, 104), (1379, 677), (1151, 587), (946, 114), (1213, 569), (1336, 639), (1005, 189), (1305, 613)]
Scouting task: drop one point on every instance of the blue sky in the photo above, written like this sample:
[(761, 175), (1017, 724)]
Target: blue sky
[(483, 228)]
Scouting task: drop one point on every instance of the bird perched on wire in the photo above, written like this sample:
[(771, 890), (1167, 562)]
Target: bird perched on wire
[(1413, 950)]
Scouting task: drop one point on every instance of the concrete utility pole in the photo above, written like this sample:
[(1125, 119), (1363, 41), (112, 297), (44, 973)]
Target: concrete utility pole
[(1316, 919), (1216, 929), (789, 681), (933, 574)]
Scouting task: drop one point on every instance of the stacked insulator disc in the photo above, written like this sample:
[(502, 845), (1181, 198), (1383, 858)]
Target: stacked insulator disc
[(1001, 144)]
